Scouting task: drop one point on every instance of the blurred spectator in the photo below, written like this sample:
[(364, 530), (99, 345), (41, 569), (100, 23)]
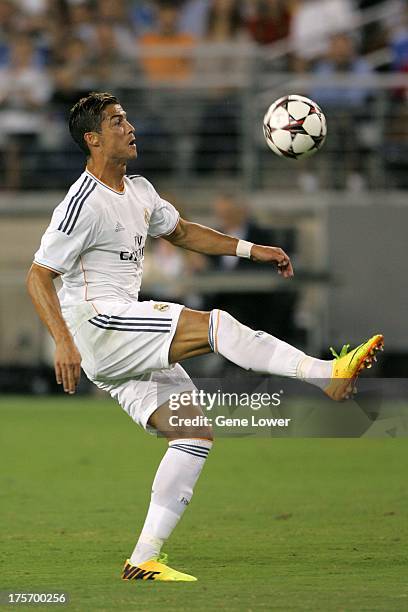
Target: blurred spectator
[(194, 16), (341, 58), (74, 72), (226, 47), (399, 41), (143, 16), (81, 18), (24, 89), (226, 57), (166, 53), (32, 7), (57, 29), (348, 113), (399, 50), (166, 56), (224, 22), (267, 20), (114, 14), (112, 67), (166, 270), (8, 24), (32, 15), (315, 21), (164, 264), (272, 312), (232, 217), (9, 15), (23, 80)]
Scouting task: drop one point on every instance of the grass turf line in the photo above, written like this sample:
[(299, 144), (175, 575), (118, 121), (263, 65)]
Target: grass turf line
[(284, 524)]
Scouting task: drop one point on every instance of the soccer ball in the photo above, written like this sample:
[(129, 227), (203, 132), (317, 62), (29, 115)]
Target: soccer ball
[(295, 127)]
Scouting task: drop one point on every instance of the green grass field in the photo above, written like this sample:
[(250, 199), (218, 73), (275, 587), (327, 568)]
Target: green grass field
[(284, 524)]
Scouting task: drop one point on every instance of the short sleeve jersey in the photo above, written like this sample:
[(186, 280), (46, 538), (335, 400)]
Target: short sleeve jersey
[(96, 238)]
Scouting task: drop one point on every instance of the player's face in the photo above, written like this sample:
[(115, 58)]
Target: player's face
[(117, 134)]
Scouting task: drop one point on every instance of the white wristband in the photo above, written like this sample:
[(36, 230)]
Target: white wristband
[(244, 248)]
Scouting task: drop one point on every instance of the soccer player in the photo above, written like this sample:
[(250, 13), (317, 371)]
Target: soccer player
[(95, 242)]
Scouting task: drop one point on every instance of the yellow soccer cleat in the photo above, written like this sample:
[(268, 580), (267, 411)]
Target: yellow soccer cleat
[(348, 365), (155, 569)]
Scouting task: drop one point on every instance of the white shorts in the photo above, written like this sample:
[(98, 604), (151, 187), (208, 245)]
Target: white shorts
[(125, 351)]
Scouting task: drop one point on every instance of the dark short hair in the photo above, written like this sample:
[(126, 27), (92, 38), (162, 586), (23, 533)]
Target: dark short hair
[(86, 116)]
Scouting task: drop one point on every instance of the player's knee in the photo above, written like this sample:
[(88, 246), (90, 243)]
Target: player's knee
[(213, 324), (203, 322), (201, 432), (223, 326), (207, 433)]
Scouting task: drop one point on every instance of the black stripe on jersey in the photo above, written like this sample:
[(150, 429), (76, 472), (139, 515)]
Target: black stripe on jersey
[(139, 322), (103, 316), (131, 329), (133, 176), (211, 333), (78, 207), (72, 201), (129, 324)]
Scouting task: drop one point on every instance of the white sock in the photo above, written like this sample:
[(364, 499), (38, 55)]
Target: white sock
[(172, 490), (261, 352), (315, 371)]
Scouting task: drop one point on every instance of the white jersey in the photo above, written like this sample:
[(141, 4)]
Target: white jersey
[(96, 238)]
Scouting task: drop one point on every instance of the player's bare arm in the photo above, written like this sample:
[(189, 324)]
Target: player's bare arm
[(202, 239), (67, 360)]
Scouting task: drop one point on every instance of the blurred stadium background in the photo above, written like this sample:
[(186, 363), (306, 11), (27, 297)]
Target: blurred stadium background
[(196, 77)]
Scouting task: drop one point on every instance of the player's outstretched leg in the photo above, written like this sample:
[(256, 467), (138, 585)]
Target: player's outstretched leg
[(172, 490), (261, 352), (201, 332)]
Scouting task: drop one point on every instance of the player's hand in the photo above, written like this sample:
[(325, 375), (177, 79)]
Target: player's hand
[(268, 254), (67, 365)]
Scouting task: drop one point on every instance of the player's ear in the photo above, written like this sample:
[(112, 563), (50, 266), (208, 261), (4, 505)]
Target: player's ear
[(92, 139)]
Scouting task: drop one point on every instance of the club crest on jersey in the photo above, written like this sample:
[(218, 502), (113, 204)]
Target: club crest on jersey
[(146, 216), (161, 307), (137, 254)]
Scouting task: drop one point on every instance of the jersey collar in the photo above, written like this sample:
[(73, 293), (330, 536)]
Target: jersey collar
[(104, 184)]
